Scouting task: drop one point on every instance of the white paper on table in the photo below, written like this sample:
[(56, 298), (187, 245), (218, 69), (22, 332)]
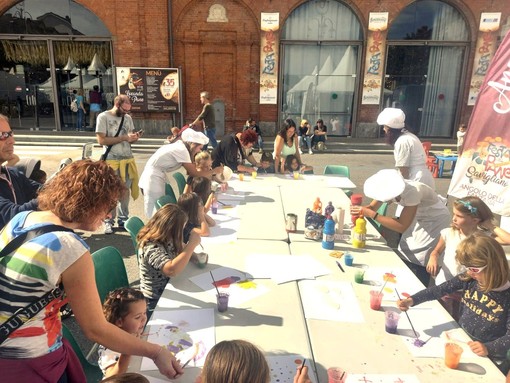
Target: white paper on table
[(330, 300), (187, 333), (429, 325), (238, 284), (406, 283), (282, 368), (226, 228), (379, 378), (284, 268)]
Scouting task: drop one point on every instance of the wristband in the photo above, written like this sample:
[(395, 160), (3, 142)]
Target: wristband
[(375, 216)]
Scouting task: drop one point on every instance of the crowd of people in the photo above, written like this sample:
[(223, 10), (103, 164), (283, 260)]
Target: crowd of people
[(459, 259)]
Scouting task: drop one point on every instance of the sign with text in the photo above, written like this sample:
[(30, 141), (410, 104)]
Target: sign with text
[(485, 47), (483, 170), (372, 81), (150, 89), (269, 26)]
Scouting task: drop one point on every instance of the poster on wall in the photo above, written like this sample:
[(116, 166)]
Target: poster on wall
[(269, 26), (372, 81), (483, 169), (485, 47), (150, 89)]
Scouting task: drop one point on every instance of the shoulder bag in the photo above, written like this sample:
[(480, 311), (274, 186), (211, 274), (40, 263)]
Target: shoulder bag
[(105, 154)]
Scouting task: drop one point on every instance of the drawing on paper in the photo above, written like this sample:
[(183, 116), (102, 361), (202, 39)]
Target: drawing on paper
[(282, 368)]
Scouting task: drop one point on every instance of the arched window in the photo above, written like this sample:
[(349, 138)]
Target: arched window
[(426, 51), (320, 52)]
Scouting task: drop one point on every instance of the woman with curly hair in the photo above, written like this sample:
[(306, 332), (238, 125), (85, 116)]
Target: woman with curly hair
[(77, 198), (235, 149)]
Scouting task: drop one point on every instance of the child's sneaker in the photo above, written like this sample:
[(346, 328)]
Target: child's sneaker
[(108, 229)]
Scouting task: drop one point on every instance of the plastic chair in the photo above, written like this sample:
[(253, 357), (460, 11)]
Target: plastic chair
[(340, 170), (110, 271), (133, 226), (163, 200), (170, 191), (181, 181), (92, 372), (426, 146)]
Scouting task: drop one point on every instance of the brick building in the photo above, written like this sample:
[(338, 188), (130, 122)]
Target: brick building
[(342, 61)]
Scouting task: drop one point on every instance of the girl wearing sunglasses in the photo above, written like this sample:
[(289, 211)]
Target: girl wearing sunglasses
[(485, 290)]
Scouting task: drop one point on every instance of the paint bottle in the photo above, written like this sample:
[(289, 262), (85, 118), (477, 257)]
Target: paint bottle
[(339, 218), (356, 200), (328, 210), (328, 234), (359, 233), (214, 206), (317, 206)]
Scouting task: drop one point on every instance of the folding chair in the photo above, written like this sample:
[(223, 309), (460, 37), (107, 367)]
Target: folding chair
[(110, 271)]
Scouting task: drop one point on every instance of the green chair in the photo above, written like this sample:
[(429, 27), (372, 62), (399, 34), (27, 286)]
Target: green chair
[(92, 372), (340, 170), (163, 200), (133, 226), (382, 211), (181, 181), (170, 191), (110, 271)]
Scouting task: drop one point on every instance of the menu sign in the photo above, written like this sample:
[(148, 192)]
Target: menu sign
[(150, 89)]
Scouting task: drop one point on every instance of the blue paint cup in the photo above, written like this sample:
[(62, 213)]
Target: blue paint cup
[(348, 259)]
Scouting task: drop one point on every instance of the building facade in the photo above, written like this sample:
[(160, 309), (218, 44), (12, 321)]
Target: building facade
[(340, 61)]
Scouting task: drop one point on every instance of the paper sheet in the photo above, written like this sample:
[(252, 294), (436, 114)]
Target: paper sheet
[(187, 333), (283, 368), (377, 378), (284, 268), (406, 284), (240, 285), (226, 228), (330, 300)]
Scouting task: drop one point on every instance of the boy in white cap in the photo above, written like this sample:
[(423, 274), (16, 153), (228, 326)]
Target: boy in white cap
[(169, 158), (423, 216), (410, 157)]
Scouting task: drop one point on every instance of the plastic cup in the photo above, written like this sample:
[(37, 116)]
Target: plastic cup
[(202, 259), (214, 209), (348, 259), (253, 174), (391, 321), (452, 353), (223, 187), (336, 375), (295, 175), (359, 275), (375, 299), (222, 302), (241, 176)]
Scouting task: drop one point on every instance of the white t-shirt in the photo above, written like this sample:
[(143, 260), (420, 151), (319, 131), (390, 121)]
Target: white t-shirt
[(409, 152), (108, 124), (449, 266)]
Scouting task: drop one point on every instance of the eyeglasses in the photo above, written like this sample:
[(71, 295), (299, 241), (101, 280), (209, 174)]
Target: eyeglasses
[(476, 270), (5, 135)]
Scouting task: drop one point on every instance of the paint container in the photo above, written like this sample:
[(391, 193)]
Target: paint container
[(222, 302)]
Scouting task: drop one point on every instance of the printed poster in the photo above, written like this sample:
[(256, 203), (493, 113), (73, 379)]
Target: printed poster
[(269, 26), (485, 47), (483, 169), (372, 81), (150, 89)]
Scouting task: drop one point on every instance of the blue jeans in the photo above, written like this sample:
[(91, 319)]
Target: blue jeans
[(260, 143), (211, 133), (79, 119), (306, 139)]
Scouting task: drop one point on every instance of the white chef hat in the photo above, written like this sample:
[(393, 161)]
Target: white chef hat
[(190, 135), (384, 185), (392, 117)]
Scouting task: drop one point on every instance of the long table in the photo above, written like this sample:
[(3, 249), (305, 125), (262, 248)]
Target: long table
[(277, 320)]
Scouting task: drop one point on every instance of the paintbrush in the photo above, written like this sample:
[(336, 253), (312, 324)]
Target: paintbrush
[(303, 364), (407, 315), (214, 283)]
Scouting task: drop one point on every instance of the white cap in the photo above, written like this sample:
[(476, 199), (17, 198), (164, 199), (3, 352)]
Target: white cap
[(189, 135), (384, 185), (392, 117)]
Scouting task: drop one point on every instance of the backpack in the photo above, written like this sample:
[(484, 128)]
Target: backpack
[(74, 106)]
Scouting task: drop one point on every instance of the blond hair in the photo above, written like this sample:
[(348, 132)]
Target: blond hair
[(201, 157), (479, 250), (235, 361)]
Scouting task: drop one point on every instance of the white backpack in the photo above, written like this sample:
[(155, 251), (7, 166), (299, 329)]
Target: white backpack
[(74, 106)]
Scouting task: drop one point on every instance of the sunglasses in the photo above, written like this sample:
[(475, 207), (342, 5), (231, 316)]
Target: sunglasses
[(125, 110), (5, 135), (476, 270)]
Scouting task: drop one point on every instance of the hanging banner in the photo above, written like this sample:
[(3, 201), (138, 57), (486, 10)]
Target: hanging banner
[(150, 89), (269, 26), (483, 170), (485, 46), (372, 81)]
